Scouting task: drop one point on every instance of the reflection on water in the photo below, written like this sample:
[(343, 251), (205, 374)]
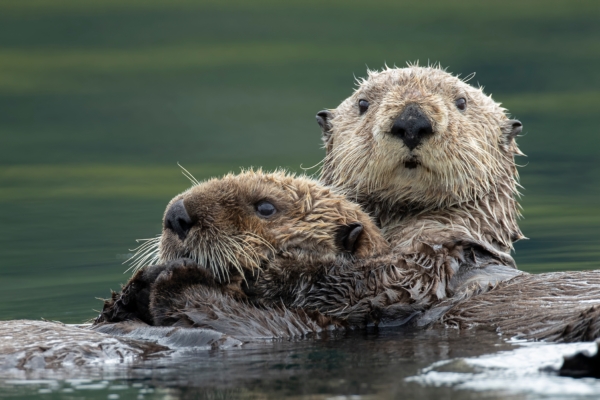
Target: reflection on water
[(99, 100), (384, 364), (360, 364)]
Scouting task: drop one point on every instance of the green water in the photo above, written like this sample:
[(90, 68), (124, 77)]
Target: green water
[(100, 100)]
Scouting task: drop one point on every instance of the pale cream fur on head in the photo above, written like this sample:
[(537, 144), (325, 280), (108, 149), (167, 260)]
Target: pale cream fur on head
[(465, 165)]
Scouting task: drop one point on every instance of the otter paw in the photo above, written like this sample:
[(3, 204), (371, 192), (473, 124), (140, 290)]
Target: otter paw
[(150, 273), (181, 264), (128, 305), (180, 273)]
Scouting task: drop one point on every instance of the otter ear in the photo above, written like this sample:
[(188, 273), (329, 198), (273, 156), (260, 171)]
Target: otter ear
[(324, 118), (512, 128), (347, 236)]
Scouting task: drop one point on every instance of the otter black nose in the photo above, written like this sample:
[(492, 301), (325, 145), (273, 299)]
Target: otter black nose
[(178, 220), (412, 126)]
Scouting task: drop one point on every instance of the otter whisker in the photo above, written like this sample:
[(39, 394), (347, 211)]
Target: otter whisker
[(188, 175), (145, 254), (216, 262), (261, 240), (229, 255), (319, 165)]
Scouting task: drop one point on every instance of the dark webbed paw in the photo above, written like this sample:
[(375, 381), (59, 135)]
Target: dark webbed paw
[(133, 302), (155, 290), (179, 274), (169, 292)]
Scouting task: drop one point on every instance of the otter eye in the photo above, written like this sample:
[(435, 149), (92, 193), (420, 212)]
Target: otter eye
[(363, 106), (265, 209), (461, 104)]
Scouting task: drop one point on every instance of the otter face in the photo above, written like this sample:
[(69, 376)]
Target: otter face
[(418, 137), (241, 222)]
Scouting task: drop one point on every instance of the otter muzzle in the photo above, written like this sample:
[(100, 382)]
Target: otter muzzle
[(412, 126), (178, 220)]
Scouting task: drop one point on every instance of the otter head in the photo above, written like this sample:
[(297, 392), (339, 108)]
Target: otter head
[(242, 222), (418, 139)]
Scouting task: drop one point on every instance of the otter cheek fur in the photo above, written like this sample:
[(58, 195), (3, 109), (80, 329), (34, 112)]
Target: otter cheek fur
[(417, 146)]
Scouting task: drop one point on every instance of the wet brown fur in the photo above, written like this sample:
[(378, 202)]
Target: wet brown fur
[(559, 306), (464, 188), (290, 269), (235, 246), (465, 183), (229, 235)]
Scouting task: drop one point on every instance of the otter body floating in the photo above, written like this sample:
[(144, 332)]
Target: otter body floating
[(432, 159), (43, 348), (308, 262)]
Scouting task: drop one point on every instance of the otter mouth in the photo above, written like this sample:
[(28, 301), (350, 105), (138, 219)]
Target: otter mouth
[(412, 163)]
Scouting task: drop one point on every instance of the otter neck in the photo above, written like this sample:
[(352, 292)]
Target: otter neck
[(491, 219)]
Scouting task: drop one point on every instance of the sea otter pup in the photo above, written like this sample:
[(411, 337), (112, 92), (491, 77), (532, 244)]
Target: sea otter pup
[(429, 156), (234, 227)]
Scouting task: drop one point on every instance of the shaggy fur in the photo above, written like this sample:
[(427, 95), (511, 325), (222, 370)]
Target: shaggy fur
[(560, 306), (459, 183), (188, 295), (448, 206), (310, 230), (229, 236), (292, 273)]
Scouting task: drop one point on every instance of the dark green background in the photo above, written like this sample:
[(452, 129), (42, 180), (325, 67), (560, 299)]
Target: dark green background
[(99, 100)]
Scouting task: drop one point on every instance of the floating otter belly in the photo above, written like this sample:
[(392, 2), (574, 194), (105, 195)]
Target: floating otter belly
[(32, 345), (27, 347), (559, 307)]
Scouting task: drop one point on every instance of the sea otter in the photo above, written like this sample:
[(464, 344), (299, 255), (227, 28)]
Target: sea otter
[(432, 159), (444, 251), (233, 228), (429, 156)]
